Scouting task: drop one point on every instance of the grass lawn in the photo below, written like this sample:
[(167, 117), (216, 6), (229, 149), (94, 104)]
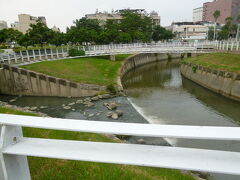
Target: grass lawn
[(221, 61), (46, 169), (92, 70)]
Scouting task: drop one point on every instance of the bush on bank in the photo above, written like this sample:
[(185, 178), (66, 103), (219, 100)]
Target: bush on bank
[(74, 52)]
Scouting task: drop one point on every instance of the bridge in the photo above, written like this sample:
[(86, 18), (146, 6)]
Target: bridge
[(22, 57), (14, 148)]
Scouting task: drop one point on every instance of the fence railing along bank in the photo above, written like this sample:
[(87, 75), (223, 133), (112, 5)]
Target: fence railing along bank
[(111, 49), (14, 148)]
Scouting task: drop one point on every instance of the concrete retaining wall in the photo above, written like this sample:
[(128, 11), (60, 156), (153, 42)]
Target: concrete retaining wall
[(141, 59), (224, 83), (17, 81)]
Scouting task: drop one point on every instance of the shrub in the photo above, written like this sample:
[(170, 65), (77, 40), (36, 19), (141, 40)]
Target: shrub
[(75, 52), (194, 68), (111, 88)]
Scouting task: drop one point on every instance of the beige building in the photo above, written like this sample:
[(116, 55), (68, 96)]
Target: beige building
[(102, 17), (190, 31), (198, 14), (3, 25), (26, 20)]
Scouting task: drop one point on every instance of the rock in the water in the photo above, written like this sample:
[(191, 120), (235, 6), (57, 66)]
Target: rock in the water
[(73, 109), (79, 101), (119, 113), (71, 104), (95, 98), (109, 114), (88, 104), (141, 141), (43, 107), (111, 105), (67, 107), (13, 100), (90, 115), (87, 99), (114, 116), (33, 108), (106, 96)]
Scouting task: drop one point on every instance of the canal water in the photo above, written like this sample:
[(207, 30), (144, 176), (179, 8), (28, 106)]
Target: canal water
[(163, 96)]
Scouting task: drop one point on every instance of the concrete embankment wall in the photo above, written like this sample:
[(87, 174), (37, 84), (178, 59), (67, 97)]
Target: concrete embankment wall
[(17, 81), (141, 59), (224, 83)]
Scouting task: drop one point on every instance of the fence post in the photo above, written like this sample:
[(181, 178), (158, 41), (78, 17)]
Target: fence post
[(12, 166), (28, 58), (51, 53), (21, 56), (15, 57), (57, 53), (34, 56), (232, 46), (40, 55), (46, 54), (237, 46), (9, 59)]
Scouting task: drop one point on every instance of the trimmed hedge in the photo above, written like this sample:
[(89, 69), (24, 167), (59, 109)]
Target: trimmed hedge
[(75, 52)]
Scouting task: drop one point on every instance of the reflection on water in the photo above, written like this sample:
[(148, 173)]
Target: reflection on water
[(163, 96)]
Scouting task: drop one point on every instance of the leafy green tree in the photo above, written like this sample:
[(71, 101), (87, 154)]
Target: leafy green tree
[(216, 15), (58, 38), (238, 28), (25, 41), (10, 35), (39, 33), (160, 33)]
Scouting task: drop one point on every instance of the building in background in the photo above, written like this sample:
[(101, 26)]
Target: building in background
[(190, 31), (198, 14), (56, 29), (228, 8), (15, 25), (25, 21), (3, 25), (102, 17)]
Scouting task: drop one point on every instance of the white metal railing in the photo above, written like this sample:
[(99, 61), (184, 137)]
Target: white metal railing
[(228, 45), (14, 148), (111, 49)]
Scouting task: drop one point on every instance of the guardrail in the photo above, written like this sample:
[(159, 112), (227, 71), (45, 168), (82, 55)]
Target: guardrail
[(111, 49), (229, 45), (14, 148)]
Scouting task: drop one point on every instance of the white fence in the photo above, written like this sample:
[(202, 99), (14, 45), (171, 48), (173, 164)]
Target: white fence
[(14, 148), (228, 45), (111, 49)]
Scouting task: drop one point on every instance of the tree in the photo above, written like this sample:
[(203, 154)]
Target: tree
[(58, 38), (40, 34), (25, 41), (238, 28), (216, 15), (229, 25), (10, 35), (160, 33)]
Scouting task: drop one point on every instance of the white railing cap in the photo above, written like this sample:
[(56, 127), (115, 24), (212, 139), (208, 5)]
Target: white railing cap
[(150, 130)]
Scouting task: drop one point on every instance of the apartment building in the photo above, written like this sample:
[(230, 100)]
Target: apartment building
[(25, 20), (3, 25), (189, 30), (228, 8), (102, 17), (198, 14)]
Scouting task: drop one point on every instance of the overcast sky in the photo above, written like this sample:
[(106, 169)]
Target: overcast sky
[(62, 12)]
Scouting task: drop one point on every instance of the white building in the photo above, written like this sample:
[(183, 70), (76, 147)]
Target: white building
[(15, 25), (190, 31), (198, 14), (56, 29), (3, 25)]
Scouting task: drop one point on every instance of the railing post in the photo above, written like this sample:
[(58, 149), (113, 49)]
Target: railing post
[(232, 46), (57, 53), (12, 167), (21, 56), (9, 59), (34, 56), (40, 55), (51, 53), (15, 57), (46, 54), (28, 58), (237, 46)]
